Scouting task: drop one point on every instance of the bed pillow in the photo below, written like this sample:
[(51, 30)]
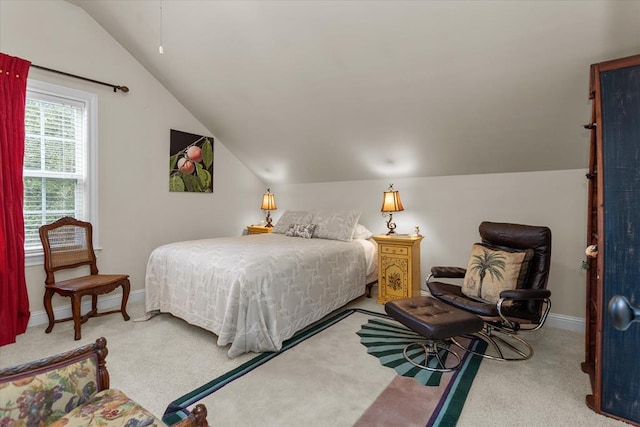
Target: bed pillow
[(492, 270), (335, 225), (362, 232), (301, 230), (292, 217)]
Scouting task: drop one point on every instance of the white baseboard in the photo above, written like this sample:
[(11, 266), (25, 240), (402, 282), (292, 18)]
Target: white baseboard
[(104, 302), (560, 321), (570, 323)]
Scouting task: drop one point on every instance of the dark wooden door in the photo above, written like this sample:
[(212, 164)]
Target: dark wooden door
[(619, 94)]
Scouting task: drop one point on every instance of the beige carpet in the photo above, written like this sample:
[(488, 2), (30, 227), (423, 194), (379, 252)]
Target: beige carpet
[(157, 361), (310, 383)]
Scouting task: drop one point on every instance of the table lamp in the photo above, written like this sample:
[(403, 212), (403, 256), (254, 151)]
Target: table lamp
[(268, 205), (391, 203)]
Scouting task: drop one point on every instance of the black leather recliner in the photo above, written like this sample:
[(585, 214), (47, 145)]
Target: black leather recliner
[(524, 308)]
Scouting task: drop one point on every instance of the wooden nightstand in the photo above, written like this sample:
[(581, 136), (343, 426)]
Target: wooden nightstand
[(258, 229), (398, 267)]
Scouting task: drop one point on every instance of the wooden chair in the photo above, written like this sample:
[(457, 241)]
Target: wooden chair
[(68, 243)]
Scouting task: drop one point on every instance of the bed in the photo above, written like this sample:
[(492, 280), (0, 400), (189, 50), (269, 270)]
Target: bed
[(256, 291)]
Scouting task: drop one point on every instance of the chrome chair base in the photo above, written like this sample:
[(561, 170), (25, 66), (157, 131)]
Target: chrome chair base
[(433, 359), (503, 345)]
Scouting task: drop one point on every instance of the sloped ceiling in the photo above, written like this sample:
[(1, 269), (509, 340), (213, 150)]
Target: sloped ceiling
[(316, 91)]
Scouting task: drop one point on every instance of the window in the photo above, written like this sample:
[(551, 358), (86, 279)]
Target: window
[(59, 159)]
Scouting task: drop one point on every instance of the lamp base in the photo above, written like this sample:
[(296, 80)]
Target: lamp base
[(391, 225), (268, 220)]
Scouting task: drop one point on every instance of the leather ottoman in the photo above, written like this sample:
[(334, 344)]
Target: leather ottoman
[(436, 322)]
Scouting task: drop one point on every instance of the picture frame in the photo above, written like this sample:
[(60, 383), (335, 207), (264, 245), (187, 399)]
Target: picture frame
[(190, 162)]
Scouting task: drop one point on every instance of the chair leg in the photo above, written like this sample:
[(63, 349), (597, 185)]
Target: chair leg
[(48, 294), (76, 303), (125, 297)]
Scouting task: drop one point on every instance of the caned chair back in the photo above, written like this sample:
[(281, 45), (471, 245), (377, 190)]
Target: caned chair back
[(67, 243)]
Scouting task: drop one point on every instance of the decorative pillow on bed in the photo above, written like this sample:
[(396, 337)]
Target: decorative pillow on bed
[(335, 225), (362, 232), (301, 230), (492, 270), (292, 217)]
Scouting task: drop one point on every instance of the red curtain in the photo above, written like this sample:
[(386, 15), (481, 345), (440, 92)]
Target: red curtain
[(14, 301)]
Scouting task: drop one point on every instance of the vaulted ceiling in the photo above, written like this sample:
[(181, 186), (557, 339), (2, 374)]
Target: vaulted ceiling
[(316, 91)]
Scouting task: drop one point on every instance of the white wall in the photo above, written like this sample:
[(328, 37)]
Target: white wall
[(136, 210), (449, 209)]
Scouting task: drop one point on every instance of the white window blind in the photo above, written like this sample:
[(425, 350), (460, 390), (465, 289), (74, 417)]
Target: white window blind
[(56, 159)]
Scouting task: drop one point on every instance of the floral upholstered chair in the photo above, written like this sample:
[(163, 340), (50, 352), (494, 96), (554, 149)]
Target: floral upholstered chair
[(72, 389)]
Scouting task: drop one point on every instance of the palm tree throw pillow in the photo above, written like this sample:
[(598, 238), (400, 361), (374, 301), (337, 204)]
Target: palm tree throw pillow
[(492, 270)]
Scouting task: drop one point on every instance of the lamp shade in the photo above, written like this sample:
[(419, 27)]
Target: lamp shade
[(268, 202), (391, 201)]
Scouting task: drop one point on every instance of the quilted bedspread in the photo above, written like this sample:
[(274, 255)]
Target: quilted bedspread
[(254, 291)]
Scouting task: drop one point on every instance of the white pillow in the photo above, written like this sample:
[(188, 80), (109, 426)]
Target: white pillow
[(335, 225), (301, 230), (362, 232), (292, 217)]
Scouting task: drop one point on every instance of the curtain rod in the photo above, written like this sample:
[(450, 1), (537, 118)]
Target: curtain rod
[(115, 87)]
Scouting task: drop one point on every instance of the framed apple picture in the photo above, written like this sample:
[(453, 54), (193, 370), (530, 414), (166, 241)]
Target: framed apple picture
[(190, 162)]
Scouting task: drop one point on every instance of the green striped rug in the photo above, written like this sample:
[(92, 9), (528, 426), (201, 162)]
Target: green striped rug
[(450, 392), (386, 339)]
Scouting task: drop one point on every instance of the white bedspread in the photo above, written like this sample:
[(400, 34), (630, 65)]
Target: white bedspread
[(256, 291)]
